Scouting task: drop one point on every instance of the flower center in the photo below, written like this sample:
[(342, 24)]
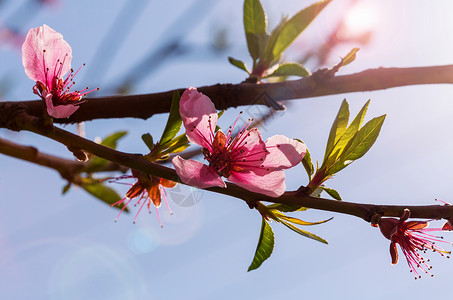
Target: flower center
[(58, 87), (219, 158)]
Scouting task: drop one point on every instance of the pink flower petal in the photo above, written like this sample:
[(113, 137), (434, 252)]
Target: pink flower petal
[(56, 58), (270, 183), (284, 152), (199, 116), (196, 173), (59, 111), (248, 150)]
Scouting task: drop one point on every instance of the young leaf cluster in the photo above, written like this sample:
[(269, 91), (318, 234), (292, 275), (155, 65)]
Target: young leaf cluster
[(349, 58), (169, 143), (346, 143), (266, 49), (266, 239)]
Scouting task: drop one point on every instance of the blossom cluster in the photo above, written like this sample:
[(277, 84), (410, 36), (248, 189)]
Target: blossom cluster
[(240, 154), (243, 158)]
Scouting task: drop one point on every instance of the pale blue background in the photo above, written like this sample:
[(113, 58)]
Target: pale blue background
[(68, 247)]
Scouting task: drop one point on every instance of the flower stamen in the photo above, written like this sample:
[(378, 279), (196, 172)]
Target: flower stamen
[(413, 239)]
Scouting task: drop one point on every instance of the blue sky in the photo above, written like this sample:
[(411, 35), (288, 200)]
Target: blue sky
[(69, 247)]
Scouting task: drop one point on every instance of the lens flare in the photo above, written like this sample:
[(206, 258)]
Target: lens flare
[(361, 18)]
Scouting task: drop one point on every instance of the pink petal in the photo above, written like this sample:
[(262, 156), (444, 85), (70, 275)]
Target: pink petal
[(248, 150), (284, 152), (270, 183), (59, 111), (196, 173), (199, 116), (57, 57)]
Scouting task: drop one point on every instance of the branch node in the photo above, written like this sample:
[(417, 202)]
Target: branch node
[(373, 215), (78, 153), (375, 220), (253, 204), (303, 191)]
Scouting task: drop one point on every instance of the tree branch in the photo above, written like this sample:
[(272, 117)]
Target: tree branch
[(67, 168), (137, 161), (233, 95)]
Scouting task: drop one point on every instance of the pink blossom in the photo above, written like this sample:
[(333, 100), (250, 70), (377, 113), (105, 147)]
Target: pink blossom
[(413, 239), (47, 58), (244, 159), (148, 189)]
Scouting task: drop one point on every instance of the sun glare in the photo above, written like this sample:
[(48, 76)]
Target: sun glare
[(360, 19)]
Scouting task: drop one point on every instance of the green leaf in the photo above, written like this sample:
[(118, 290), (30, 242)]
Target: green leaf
[(338, 128), (265, 246), (66, 188), (301, 222), (353, 128), (290, 69), (268, 59), (174, 120), (168, 143), (176, 145), (303, 232), (281, 38), (238, 63), (360, 144), (255, 19), (332, 193), (344, 140), (256, 43), (255, 24), (286, 208), (162, 151), (308, 164), (103, 193), (350, 57), (96, 163), (148, 140), (112, 140)]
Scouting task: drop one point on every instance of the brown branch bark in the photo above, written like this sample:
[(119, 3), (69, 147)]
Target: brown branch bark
[(233, 95), (137, 161), (67, 168)]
